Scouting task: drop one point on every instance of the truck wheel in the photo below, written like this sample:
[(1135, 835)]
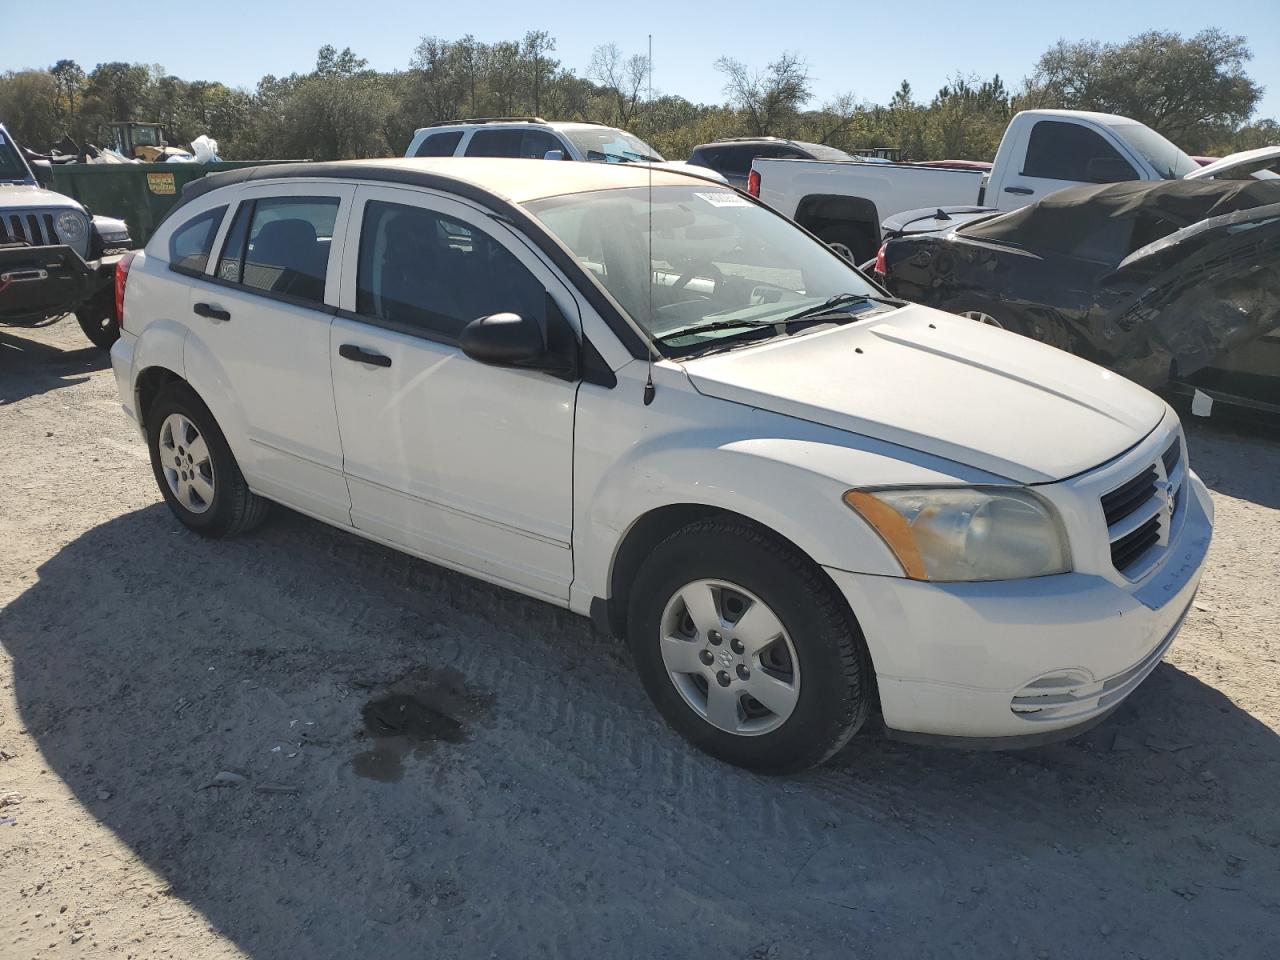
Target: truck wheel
[(746, 649), (98, 325), (853, 243), (194, 468)]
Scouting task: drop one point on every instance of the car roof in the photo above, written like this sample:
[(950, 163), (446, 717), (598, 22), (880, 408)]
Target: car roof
[(517, 181)]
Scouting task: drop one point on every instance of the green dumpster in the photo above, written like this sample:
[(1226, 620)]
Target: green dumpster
[(138, 193)]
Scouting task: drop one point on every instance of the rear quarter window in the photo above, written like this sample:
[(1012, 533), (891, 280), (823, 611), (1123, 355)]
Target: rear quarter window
[(191, 244), (439, 144)]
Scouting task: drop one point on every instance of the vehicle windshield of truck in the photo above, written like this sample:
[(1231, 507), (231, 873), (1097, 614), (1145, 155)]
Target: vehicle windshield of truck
[(13, 169), (721, 264), (1169, 161), (610, 145)]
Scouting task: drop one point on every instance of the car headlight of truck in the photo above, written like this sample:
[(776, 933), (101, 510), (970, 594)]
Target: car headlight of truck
[(70, 227), (966, 533)]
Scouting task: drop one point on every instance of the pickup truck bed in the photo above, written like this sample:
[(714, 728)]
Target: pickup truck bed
[(832, 198)]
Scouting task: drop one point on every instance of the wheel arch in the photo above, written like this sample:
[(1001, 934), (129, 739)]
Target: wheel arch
[(818, 212), (651, 528)]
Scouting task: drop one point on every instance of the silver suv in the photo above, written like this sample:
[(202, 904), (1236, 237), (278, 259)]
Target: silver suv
[(55, 258), (533, 138)]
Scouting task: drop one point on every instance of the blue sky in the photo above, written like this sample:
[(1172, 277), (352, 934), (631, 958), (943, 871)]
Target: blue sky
[(867, 47)]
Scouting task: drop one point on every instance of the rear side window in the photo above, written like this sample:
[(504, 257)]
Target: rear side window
[(1068, 151), (439, 144), (425, 274), (520, 144), (191, 244), (281, 245)]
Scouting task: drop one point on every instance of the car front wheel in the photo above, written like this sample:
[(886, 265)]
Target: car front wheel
[(746, 649)]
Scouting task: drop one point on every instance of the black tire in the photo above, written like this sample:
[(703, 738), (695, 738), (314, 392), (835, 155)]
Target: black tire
[(1000, 315), (836, 682), (858, 240), (98, 325), (234, 508)]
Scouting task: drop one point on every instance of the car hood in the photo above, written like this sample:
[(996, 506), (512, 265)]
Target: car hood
[(1218, 168), (27, 196), (945, 386)]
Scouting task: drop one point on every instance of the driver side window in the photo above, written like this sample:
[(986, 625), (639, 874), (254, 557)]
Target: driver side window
[(422, 273)]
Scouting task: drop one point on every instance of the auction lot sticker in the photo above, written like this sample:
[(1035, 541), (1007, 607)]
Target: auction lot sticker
[(161, 183), (724, 199)]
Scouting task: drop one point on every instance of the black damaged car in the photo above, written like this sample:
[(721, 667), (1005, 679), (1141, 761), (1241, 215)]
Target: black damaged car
[(1174, 284)]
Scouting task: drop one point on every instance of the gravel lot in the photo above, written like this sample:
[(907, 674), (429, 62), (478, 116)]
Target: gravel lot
[(188, 753)]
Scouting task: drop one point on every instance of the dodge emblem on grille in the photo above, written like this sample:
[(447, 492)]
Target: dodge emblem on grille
[(1166, 488)]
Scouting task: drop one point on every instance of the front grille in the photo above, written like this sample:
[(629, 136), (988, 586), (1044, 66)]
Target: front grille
[(1134, 544), (1125, 499), (31, 228), (1137, 512)]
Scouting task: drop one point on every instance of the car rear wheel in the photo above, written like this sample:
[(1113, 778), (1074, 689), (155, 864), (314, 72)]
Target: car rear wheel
[(746, 649), (194, 468)]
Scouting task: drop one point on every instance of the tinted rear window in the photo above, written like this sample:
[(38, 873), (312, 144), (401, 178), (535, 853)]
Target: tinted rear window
[(439, 144), (191, 244)]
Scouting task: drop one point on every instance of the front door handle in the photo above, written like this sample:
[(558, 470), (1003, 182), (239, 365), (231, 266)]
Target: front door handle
[(350, 351), (1024, 191), (212, 312)]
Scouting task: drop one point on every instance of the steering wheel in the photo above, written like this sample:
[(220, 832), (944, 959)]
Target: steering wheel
[(694, 268)]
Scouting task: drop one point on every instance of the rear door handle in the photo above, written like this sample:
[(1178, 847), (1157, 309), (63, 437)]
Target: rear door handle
[(212, 312), (350, 351), (1024, 191)]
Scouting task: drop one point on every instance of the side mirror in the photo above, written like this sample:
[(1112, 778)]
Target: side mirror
[(1109, 170), (553, 155), (504, 340)]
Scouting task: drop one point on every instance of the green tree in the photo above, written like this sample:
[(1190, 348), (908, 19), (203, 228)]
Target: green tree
[(1191, 90)]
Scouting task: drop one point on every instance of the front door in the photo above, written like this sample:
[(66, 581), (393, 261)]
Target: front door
[(1060, 154), (467, 464)]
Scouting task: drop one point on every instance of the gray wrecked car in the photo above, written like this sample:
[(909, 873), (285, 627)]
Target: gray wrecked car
[(1173, 284)]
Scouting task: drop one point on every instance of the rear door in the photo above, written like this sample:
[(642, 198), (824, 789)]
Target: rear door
[(263, 308), (467, 464)]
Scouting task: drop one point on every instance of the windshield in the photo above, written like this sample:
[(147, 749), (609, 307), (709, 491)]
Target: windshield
[(1169, 161), (820, 151), (718, 258), (610, 144), (12, 166)]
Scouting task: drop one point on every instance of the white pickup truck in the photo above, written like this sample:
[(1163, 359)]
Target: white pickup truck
[(845, 201)]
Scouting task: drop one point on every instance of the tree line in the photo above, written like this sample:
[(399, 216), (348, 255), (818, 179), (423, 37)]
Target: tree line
[(1195, 90)]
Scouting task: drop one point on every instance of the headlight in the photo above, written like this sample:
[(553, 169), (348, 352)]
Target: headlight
[(966, 533), (70, 227)]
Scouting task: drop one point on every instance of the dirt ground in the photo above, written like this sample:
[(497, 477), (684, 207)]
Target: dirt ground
[(194, 760)]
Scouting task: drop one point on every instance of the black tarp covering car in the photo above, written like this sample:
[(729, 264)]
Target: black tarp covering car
[(1157, 281)]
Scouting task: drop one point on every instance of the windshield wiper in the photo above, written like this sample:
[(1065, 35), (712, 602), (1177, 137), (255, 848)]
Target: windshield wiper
[(833, 305), (825, 312)]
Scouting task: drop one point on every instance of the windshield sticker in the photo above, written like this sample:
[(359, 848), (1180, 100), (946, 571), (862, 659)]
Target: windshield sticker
[(724, 199), (1, 139)]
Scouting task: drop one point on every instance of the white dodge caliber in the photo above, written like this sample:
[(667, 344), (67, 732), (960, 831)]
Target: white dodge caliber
[(664, 406)]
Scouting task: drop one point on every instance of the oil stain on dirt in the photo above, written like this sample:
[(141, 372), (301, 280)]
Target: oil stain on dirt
[(411, 716)]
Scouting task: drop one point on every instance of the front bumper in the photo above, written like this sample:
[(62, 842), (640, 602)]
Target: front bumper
[(1019, 659), (39, 282)]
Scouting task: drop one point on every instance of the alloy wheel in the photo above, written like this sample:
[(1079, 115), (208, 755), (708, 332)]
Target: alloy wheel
[(185, 460)]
